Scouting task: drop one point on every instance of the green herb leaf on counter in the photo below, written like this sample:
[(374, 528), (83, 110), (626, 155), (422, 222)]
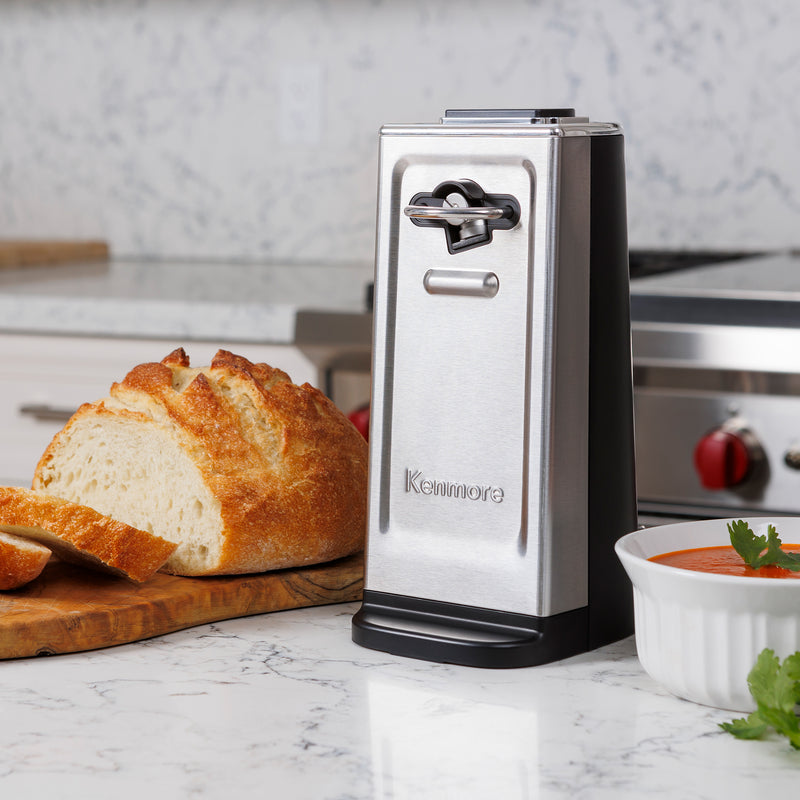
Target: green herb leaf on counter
[(752, 727), (761, 551), (775, 687)]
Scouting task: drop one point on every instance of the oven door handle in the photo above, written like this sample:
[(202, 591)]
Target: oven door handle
[(46, 413)]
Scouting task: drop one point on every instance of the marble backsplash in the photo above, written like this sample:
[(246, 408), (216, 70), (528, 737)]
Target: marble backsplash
[(248, 129)]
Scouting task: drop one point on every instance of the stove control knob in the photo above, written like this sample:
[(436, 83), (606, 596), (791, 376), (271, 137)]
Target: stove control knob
[(725, 457), (792, 457)]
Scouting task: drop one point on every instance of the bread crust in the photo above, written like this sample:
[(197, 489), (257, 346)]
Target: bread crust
[(21, 561), (80, 534), (287, 467)]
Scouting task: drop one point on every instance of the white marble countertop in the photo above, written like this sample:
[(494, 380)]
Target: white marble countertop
[(285, 705), (166, 299)]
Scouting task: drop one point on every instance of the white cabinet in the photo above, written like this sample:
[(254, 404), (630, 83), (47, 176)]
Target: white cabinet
[(43, 379)]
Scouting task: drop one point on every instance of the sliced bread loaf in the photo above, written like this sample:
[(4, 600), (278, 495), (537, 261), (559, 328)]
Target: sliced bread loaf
[(245, 470), (82, 535), (20, 560)]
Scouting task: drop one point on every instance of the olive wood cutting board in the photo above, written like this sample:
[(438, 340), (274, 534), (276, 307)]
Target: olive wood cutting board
[(23, 252), (68, 609)]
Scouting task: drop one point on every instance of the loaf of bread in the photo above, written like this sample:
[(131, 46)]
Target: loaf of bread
[(247, 471), (81, 535), (20, 561)]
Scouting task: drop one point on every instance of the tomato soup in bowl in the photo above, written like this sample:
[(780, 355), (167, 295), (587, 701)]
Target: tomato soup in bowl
[(699, 632), (724, 560)]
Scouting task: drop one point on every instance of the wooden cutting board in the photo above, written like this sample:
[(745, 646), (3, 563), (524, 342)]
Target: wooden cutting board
[(24, 252), (68, 609)]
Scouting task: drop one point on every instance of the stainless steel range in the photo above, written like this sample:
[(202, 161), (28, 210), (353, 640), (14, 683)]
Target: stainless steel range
[(717, 389)]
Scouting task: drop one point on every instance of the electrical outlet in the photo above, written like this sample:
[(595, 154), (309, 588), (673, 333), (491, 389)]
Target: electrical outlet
[(301, 105)]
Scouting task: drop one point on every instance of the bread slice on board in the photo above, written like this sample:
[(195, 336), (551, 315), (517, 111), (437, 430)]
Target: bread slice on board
[(247, 471), (20, 561), (82, 535)]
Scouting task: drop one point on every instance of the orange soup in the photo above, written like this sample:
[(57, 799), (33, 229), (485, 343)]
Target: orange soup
[(724, 560)]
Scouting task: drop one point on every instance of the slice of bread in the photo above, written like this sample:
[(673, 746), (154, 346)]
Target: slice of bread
[(20, 561), (82, 535), (246, 470)]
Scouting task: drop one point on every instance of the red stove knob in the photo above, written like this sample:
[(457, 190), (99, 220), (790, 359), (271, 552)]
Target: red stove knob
[(723, 458)]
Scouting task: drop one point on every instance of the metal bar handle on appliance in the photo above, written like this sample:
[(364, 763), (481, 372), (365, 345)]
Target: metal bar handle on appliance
[(454, 214)]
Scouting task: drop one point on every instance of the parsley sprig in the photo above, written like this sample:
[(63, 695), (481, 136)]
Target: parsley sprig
[(761, 551), (775, 687)]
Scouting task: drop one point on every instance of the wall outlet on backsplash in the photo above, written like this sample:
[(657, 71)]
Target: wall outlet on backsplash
[(302, 106)]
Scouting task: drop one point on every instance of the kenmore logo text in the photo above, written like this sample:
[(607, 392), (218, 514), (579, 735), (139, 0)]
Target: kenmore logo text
[(417, 483)]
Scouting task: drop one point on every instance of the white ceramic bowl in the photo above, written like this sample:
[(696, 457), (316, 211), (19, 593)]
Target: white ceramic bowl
[(699, 634)]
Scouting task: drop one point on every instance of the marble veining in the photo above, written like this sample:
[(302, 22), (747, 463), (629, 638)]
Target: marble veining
[(286, 704), (248, 129)]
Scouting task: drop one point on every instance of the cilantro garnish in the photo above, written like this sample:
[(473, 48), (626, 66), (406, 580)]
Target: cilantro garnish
[(775, 687), (761, 551)]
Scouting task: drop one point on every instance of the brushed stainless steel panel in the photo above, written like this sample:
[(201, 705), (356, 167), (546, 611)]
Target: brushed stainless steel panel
[(670, 423), (479, 434)]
